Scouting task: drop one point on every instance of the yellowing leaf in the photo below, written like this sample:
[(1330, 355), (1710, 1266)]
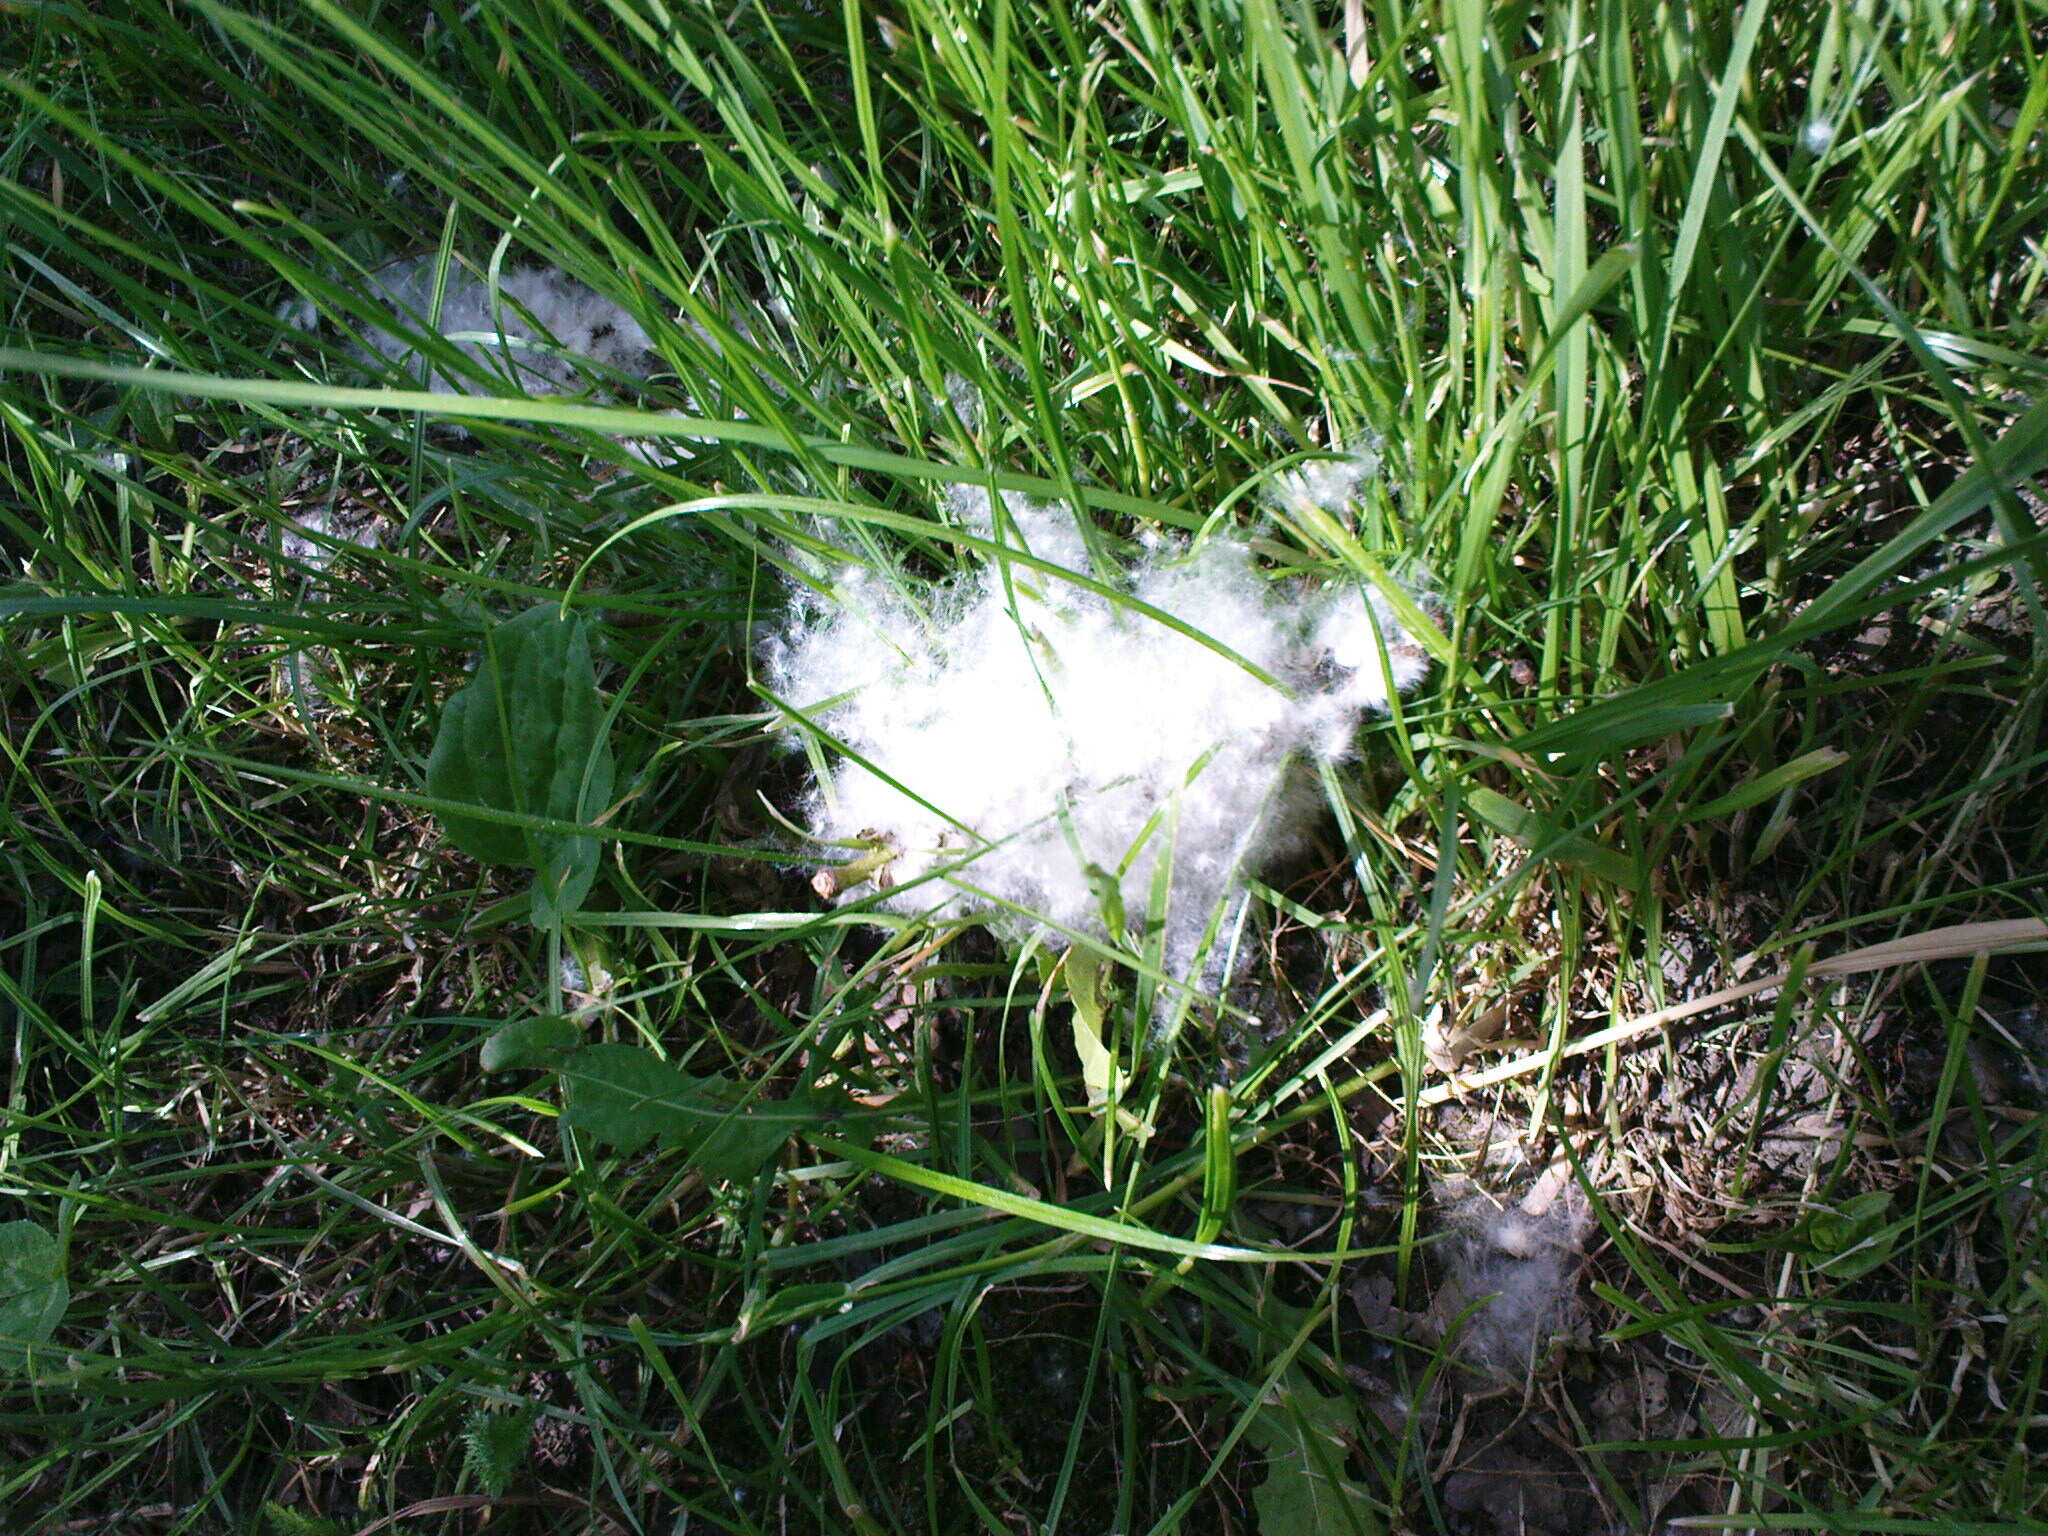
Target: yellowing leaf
[(1099, 1072)]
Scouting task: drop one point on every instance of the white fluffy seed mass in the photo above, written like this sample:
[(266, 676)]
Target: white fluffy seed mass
[(535, 326), (1057, 760)]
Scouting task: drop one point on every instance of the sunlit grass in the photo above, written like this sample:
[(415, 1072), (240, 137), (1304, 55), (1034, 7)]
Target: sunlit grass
[(1702, 353)]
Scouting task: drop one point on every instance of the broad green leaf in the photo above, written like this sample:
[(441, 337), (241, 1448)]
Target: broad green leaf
[(1540, 835), (534, 1042), (1853, 1239), (1305, 1438), (1087, 988), (527, 737), (33, 1294), (626, 1097)]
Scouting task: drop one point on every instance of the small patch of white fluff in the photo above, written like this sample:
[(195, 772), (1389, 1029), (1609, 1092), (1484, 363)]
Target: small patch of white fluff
[(313, 537), (1029, 746), (1514, 1282), (1332, 484), (309, 539), (1044, 532), (534, 326)]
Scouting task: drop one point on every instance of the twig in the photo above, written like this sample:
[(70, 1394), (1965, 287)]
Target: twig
[(1940, 944)]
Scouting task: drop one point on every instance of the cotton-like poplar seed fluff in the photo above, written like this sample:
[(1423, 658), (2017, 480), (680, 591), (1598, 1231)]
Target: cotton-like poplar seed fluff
[(538, 331), (569, 327), (1031, 750)]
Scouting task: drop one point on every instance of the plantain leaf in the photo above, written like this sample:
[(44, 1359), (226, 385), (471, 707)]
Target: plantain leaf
[(33, 1294), (527, 737), (626, 1097)]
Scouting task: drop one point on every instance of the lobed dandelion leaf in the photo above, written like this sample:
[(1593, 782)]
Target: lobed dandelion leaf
[(1306, 1437), (625, 1097)]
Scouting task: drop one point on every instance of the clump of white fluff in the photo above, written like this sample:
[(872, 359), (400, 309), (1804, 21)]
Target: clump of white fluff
[(533, 326), (1032, 750), (1332, 483)]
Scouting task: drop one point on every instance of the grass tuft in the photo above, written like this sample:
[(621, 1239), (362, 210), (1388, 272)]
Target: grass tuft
[(1698, 354)]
